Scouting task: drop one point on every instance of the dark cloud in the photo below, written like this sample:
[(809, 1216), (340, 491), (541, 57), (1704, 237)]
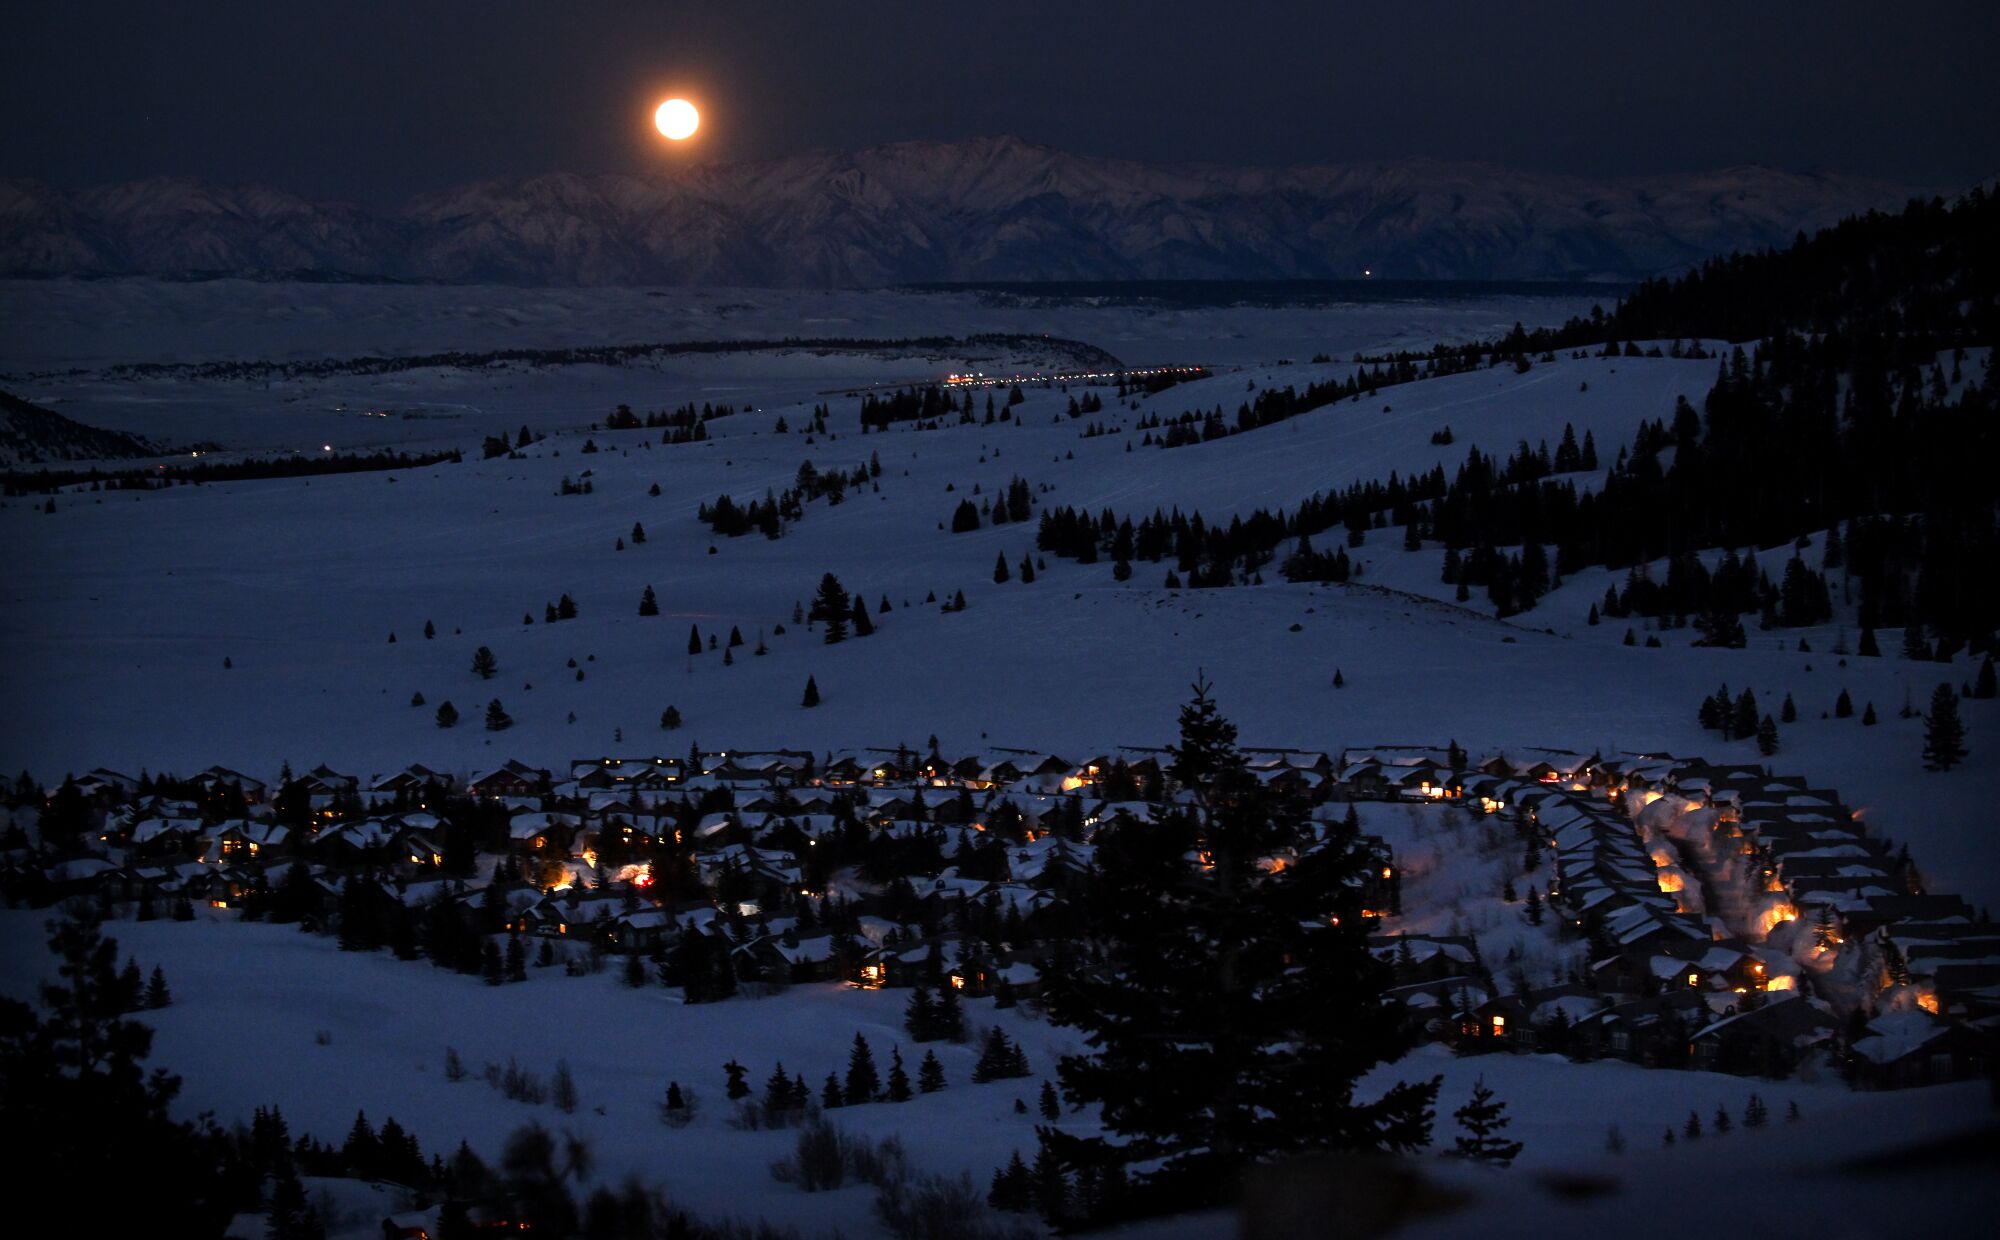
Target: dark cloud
[(380, 100)]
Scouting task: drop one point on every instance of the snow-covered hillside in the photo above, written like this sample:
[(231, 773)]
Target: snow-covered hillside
[(124, 608), (254, 623), (298, 1012)]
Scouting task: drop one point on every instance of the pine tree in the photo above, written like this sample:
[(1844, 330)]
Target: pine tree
[(517, 960), (694, 639), (1692, 1129), (562, 1088), (831, 1095), (1743, 719), (497, 719), (1843, 706), (1754, 1114), (831, 608), (670, 718), (1013, 1187), (1000, 570), (638, 533), (1868, 715), (1868, 649), (1722, 1121), (484, 665), (1788, 713), (1767, 736), (812, 693), (157, 994), (1049, 1185), (649, 603), (1051, 1106), (737, 1087), (1482, 1118), (1944, 732), (949, 1016), (995, 1058), (920, 1016), (899, 1077), (1984, 686), (430, 630), (862, 1081), (930, 1074), (1264, 980), (1533, 909)]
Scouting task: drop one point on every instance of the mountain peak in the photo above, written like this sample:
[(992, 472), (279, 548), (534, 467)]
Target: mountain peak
[(993, 207)]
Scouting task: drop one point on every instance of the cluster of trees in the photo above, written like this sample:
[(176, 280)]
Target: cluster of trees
[(497, 445), (934, 1019), (1000, 1058), (1273, 405), (928, 406), (685, 418), (836, 612), (1857, 411), (1013, 505), (1740, 719), (769, 515), (1736, 586)]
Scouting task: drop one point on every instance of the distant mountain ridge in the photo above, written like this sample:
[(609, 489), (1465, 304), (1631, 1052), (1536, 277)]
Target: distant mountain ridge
[(30, 435), (909, 212)]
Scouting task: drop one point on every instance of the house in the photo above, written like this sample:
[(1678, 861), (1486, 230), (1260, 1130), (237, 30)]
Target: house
[(217, 778), (164, 837), (245, 838), (840, 770), (543, 832), (1652, 1032), (324, 781), (640, 929), (788, 957), (412, 780), (1424, 957), (1769, 1040), (599, 773), (1908, 1048), (515, 779)]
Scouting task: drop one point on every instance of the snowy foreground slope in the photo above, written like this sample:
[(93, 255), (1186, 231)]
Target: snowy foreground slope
[(253, 1001)]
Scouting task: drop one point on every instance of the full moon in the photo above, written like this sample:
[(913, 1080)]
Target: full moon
[(677, 119)]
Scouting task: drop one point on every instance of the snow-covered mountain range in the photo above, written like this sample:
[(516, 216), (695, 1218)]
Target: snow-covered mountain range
[(984, 209)]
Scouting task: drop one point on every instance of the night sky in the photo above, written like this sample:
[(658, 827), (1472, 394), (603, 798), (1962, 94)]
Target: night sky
[(376, 101)]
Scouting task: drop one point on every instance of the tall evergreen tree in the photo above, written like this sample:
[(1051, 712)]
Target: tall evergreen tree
[(649, 603), (830, 608), (899, 1077), (1264, 980), (862, 1081), (484, 664), (1944, 731)]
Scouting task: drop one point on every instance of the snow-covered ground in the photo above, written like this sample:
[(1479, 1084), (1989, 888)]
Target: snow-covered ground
[(248, 624), (252, 1003)]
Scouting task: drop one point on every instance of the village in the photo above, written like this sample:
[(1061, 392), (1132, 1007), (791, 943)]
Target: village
[(1709, 916)]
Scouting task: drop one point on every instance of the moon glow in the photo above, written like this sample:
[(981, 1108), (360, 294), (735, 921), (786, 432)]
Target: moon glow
[(677, 119)]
